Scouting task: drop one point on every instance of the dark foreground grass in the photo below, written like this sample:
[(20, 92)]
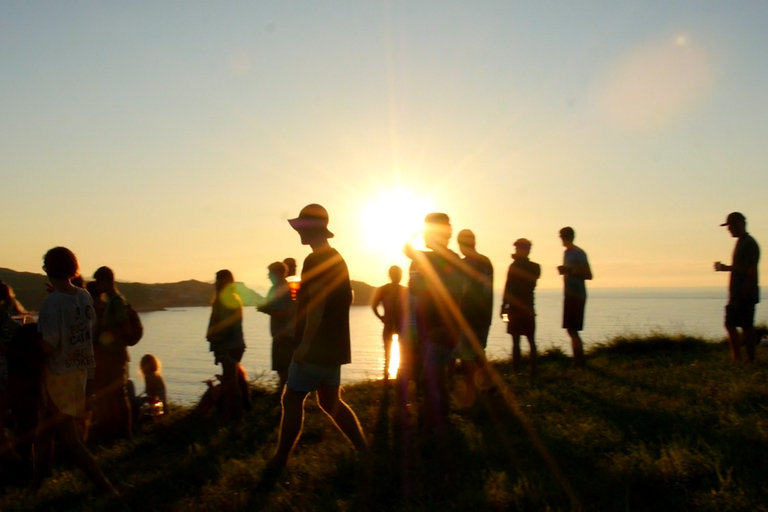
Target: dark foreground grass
[(656, 423)]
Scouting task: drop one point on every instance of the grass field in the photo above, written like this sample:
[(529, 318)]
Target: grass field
[(654, 423)]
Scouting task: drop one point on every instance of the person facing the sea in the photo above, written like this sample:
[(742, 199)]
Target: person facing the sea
[(322, 329), (391, 297), (436, 281), (575, 271), (477, 308), (65, 323), (9, 326), (225, 336), (282, 321), (518, 301), (743, 288), (112, 407)]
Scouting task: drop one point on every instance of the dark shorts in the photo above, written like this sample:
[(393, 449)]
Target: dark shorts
[(521, 324), (573, 313), (740, 315), (308, 377), (282, 352)]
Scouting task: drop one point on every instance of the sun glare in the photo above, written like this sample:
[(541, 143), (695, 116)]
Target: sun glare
[(394, 358), (392, 219)]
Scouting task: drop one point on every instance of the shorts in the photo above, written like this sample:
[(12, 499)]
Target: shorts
[(521, 324), (740, 315), (308, 377), (573, 312), (66, 391)]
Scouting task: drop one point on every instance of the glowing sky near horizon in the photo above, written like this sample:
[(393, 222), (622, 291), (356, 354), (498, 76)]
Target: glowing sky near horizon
[(169, 140)]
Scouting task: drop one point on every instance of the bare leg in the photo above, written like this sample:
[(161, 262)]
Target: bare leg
[(290, 425), (578, 348), (342, 415), (68, 435), (232, 396), (749, 338), (468, 369), (387, 353), (516, 356), (533, 355), (734, 341)]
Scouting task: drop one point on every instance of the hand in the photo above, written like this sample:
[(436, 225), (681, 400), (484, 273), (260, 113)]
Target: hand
[(562, 269), (718, 266)]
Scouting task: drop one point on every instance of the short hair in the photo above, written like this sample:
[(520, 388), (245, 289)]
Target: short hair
[(395, 273), (567, 233), (466, 237), (225, 276), (60, 263), (149, 364), (104, 274), (290, 265), (278, 268)]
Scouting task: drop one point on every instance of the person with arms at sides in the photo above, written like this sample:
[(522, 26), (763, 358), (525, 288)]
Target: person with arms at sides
[(575, 271), (322, 329), (518, 302), (225, 335), (477, 308), (743, 288), (282, 321), (65, 323), (392, 297)]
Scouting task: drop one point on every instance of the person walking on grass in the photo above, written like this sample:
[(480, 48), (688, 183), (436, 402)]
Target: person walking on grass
[(575, 271), (322, 329), (518, 302), (743, 288), (392, 296)]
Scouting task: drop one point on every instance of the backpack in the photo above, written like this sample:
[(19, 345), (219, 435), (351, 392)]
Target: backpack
[(137, 330)]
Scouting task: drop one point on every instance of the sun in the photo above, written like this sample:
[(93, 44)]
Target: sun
[(393, 218)]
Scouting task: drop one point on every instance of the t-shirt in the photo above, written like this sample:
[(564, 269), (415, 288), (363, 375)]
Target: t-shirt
[(743, 286), (574, 285), (66, 323), (281, 310), (477, 296), (521, 282), (325, 277)]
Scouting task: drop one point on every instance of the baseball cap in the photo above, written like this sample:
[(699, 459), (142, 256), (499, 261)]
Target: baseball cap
[(733, 218)]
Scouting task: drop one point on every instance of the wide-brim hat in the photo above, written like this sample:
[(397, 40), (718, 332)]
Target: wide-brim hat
[(313, 218)]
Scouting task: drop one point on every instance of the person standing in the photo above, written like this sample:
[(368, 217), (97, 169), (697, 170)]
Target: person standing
[(743, 288), (436, 281), (322, 328), (282, 320), (477, 308), (518, 301), (392, 297), (112, 405), (575, 271), (66, 325)]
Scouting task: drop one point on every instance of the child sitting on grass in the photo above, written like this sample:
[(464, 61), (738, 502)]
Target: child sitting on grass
[(154, 386)]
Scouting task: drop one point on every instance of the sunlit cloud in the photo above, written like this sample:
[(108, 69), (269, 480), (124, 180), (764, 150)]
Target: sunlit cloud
[(655, 84)]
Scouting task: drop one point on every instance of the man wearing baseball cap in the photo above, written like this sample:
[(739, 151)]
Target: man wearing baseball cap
[(743, 288), (322, 330)]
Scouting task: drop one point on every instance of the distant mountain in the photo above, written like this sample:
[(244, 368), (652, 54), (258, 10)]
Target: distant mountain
[(31, 291)]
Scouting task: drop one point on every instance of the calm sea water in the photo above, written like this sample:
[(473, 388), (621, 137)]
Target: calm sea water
[(177, 336)]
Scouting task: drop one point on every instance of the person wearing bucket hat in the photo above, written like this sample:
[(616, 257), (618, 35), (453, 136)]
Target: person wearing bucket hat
[(518, 302), (322, 331), (743, 288)]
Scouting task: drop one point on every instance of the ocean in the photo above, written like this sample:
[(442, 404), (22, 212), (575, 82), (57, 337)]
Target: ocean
[(177, 336)]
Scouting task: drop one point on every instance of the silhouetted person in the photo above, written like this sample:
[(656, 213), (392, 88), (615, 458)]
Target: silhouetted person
[(66, 325), (436, 280), (225, 335), (290, 267), (322, 329), (518, 301), (743, 288), (9, 326), (392, 297), (575, 271), (112, 408), (282, 321), (477, 308)]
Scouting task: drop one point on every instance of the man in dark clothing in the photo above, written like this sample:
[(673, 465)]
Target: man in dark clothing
[(436, 280), (322, 328), (743, 288), (518, 301), (477, 308)]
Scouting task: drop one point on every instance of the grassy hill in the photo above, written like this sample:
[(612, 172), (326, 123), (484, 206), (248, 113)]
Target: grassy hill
[(654, 423)]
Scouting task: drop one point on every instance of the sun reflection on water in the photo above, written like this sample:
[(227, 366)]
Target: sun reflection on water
[(394, 361)]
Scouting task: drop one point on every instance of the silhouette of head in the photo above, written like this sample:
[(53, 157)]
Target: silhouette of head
[(278, 269), (60, 263), (567, 234), (223, 279), (290, 265), (737, 224), (437, 229), (395, 274), (149, 364), (312, 223), (466, 239), (522, 247), (104, 274)]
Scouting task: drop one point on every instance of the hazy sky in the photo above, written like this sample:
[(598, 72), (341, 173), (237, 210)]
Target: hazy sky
[(169, 140)]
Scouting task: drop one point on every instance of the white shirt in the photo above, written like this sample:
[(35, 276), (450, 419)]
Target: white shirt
[(66, 323)]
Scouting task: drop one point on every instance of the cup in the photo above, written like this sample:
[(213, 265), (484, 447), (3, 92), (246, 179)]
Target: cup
[(294, 283)]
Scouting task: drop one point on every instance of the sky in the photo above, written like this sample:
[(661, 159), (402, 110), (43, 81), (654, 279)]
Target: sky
[(169, 140)]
